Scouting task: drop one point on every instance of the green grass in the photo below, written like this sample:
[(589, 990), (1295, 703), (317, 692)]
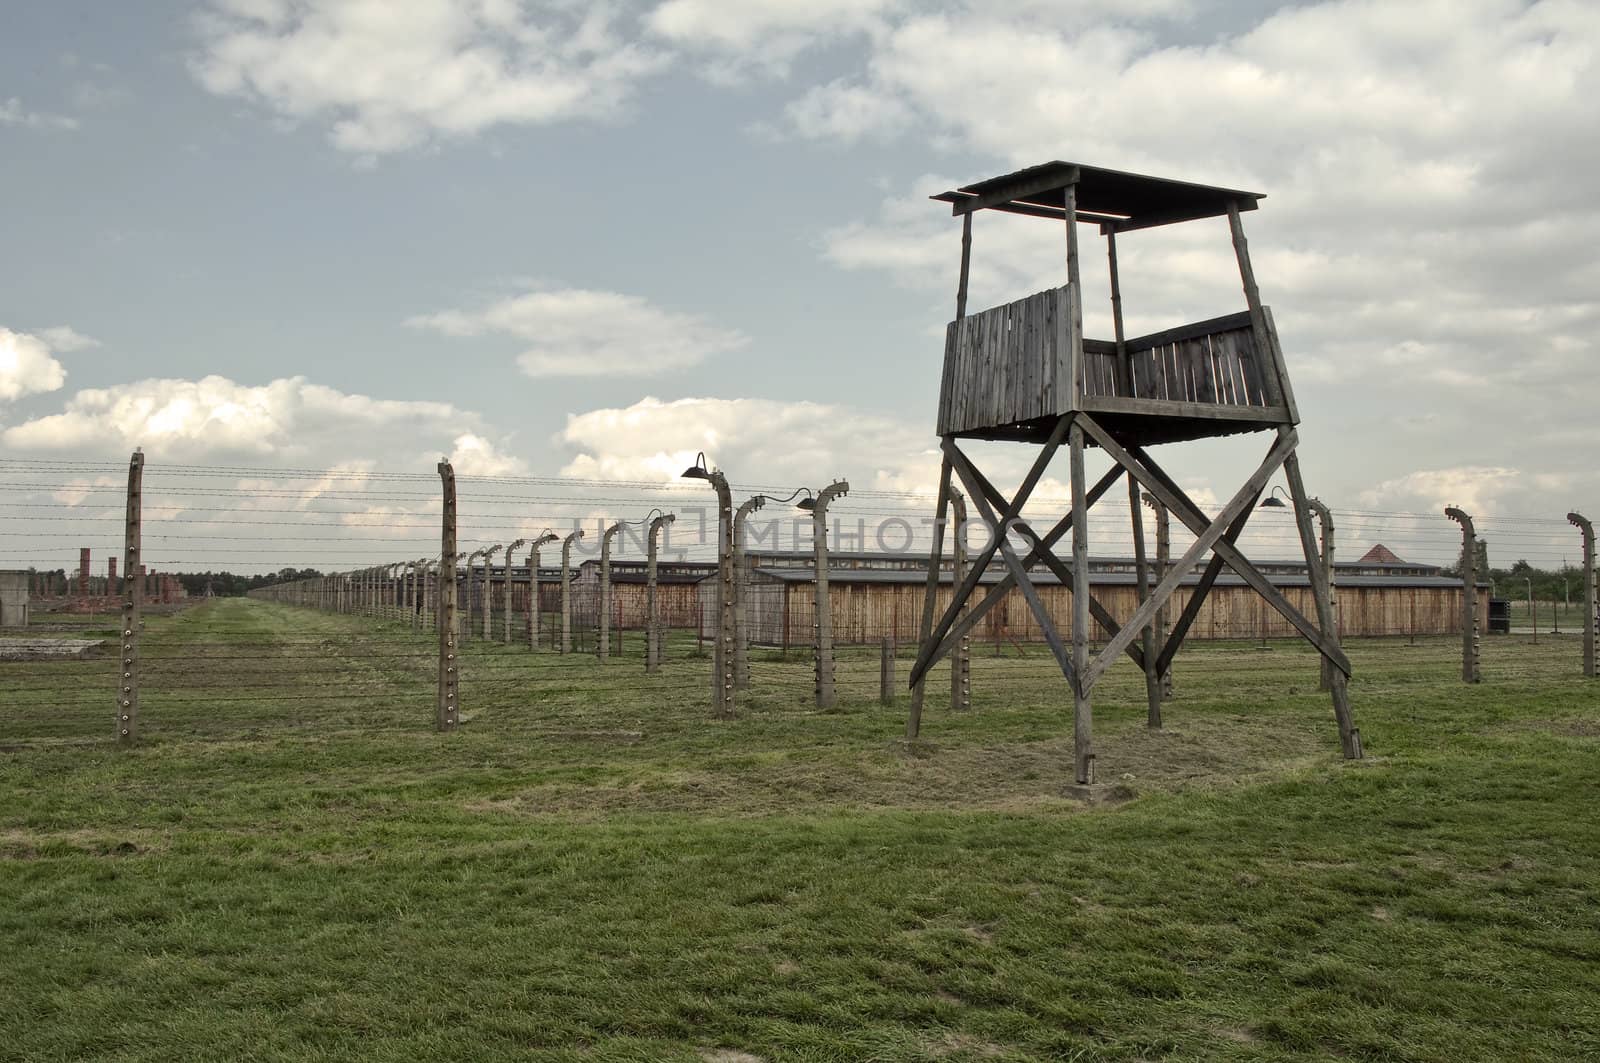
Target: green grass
[(293, 865)]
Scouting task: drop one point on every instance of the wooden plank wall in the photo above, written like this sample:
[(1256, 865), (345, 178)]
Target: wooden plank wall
[(1216, 368), (863, 614), (1007, 364)]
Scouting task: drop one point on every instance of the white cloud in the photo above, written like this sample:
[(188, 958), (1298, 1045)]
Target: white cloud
[(26, 367), (394, 76), (287, 422), (13, 113), (576, 332), (66, 338), (754, 441), (761, 34), (473, 455)]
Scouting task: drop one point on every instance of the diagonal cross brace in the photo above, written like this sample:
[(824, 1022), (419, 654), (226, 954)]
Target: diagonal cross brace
[(1207, 537), (1197, 598), (1041, 550), (980, 563), (1172, 496), (1019, 574), (1059, 568)]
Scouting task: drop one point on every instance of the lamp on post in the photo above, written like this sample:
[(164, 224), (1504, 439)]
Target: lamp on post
[(722, 656), (822, 624)]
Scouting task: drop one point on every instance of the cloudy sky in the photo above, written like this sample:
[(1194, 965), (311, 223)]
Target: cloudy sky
[(565, 238)]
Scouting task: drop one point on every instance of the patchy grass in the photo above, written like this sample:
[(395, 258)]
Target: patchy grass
[(293, 865)]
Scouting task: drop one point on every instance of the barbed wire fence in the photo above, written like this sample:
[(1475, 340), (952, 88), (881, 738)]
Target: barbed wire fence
[(373, 659)]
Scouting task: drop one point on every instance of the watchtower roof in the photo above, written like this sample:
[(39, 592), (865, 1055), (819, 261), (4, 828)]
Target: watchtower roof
[(1116, 199)]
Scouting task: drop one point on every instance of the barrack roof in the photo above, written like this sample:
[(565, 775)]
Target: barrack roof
[(1116, 199)]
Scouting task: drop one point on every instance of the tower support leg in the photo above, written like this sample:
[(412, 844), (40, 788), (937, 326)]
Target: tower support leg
[(1082, 711), (1349, 735), (930, 596)]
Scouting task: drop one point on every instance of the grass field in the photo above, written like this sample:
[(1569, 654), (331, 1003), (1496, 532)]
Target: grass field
[(294, 865)]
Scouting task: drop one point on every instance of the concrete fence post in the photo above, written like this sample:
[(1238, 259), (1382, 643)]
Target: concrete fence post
[(1591, 606), (132, 606), (1469, 595), (533, 587), (566, 590), (448, 711), (603, 647), (822, 625), (652, 603), (1325, 518), (741, 592), (488, 589), (505, 601), (886, 671), (1161, 623)]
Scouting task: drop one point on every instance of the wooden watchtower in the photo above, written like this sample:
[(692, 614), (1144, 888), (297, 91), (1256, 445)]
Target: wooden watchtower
[(1024, 372)]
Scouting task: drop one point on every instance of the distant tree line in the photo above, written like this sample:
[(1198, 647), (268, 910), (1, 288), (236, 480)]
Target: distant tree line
[(1549, 585)]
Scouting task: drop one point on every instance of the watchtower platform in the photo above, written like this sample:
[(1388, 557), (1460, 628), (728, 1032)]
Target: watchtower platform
[(1024, 372)]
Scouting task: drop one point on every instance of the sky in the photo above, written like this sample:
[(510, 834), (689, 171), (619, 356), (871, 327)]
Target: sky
[(558, 239)]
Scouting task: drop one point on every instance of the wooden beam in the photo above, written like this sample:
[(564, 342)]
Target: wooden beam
[(1047, 627), (930, 596), (1020, 188), (1194, 517), (1209, 411), (1151, 219), (979, 564), (1197, 597), (1031, 210), (1207, 536), (1059, 567), (1040, 551)]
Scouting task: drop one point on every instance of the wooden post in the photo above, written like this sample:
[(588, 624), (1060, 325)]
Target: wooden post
[(1162, 622), (886, 671), (822, 624), (961, 656), (652, 606), (566, 590), (1469, 595), (603, 650), (741, 584), (1082, 710), (1349, 734), (1266, 350), (1591, 607), (132, 605), (1533, 611), (1147, 637), (448, 711)]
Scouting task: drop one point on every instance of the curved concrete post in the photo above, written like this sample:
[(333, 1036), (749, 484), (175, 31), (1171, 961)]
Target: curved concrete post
[(1591, 607), (1325, 531), (652, 607), (465, 624), (722, 654), (566, 590), (488, 590), (505, 600), (1469, 594), (822, 623), (741, 584), (603, 650), (533, 587)]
